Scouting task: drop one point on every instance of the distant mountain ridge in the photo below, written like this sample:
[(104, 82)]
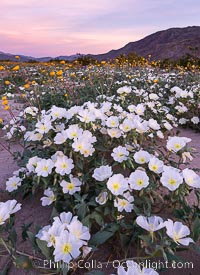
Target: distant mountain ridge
[(172, 44)]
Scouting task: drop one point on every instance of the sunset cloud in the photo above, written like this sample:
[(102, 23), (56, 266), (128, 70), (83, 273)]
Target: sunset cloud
[(49, 27)]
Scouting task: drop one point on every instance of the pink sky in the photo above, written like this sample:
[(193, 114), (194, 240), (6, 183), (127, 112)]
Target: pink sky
[(64, 27)]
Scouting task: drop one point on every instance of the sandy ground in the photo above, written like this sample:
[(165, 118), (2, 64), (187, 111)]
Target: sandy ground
[(32, 211)]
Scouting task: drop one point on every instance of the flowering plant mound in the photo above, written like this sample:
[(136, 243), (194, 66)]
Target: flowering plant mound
[(112, 170)]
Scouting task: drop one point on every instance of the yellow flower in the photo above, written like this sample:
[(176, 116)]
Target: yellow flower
[(59, 73), (7, 107), (17, 57), (5, 102), (62, 62), (7, 82), (2, 68), (103, 62), (66, 95), (26, 86), (16, 68), (155, 81), (52, 73), (1, 120), (33, 82), (4, 98), (22, 95)]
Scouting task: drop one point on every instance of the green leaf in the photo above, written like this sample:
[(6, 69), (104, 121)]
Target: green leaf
[(43, 247), (172, 257), (196, 229), (31, 238), (82, 210), (102, 236), (25, 228), (23, 262)]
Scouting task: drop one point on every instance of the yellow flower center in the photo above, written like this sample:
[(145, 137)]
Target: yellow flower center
[(64, 165), (142, 160), (176, 237), (86, 152), (123, 203), (172, 181), (140, 181), (67, 248), (45, 168), (53, 240), (71, 186), (43, 127), (190, 180), (74, 134), (126, 128), (177, 145), (154, 167), (14, 184), (116, 186), (113, 123)]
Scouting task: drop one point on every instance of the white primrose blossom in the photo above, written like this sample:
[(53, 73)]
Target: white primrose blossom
[(178, 232), (67, 236), (49, 197)]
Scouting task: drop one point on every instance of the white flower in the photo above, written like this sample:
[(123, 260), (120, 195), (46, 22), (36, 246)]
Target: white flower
[(150, 224), (74, 131), (120, 154), (44, 167), (153, 96), (64, 165), (135, 269), (195, 120), (58, 113), (13, 183), (71, 186), (8, 208), (66, 247), (102, 198), (102, 173), (63, 220), (138, 180), (142, 157), (60, 138), (178, 232), (114, 132), (49, 234), (168, 126), (177, 143), (153, 124), (171, 179), (77, 229), (125, 203), (86, 116), (43, 126), (155, 165), (49, 197), (140, 109), (117, 184), (159, 134), (124, 90), (32, 163), (191, 178), (112, 122), (127, 125)]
